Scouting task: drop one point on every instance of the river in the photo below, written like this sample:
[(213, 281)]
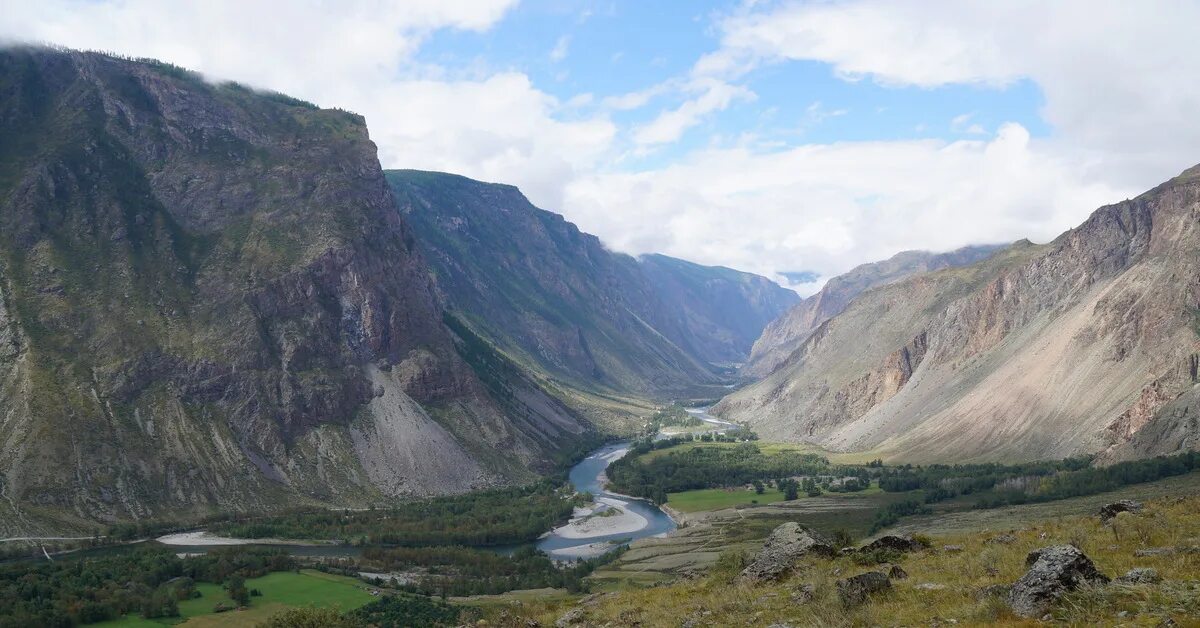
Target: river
[(614, 520)]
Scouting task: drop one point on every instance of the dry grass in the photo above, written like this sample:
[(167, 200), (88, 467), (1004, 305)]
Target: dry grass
[(720, 600)]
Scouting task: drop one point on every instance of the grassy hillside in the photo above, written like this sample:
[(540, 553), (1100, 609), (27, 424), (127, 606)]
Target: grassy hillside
[(944, 585)]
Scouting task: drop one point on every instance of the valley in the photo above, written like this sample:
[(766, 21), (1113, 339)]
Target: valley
[(250, 377)]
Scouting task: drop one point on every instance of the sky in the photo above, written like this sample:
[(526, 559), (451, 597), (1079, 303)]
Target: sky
[(789, 139)]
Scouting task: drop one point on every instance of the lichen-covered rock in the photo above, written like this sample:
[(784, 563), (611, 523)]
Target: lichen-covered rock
[(894, 542), (1053, 571), (897, 573), (1110, 511), (1140, 575), (855, 590), (787, 544)]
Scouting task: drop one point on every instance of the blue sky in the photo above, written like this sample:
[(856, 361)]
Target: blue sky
[(773, 136), (607, 49)]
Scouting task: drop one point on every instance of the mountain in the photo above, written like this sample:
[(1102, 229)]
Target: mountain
[(722, 310), (561, 303), (1088, 344), (786, 333), (209, 301)]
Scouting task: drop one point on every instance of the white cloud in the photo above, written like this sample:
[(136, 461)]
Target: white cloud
[(561, 48), (1117, 80), (358, 56), (829, 207), (1117, 76), (670, 125)]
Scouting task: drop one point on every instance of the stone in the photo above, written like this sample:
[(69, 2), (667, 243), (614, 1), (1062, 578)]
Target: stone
[(784, 548), (855, 590), (897, 573), (952, 549), (1154, 551), (930, 586), (1003, 539), (570, 618), (1140, 575), (894, 542), (804, 594), (1053, 571), (1109, 511)]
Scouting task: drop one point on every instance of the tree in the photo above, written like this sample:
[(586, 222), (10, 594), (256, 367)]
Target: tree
[(237, 590), (310, 618), (790, 491), (758, 487)]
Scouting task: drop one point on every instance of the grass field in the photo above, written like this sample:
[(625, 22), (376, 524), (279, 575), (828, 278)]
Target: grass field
[(280, 590), (704, 499)]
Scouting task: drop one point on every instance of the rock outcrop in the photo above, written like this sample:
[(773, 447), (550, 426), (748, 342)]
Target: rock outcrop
[(1053, 571), (787, 545), (1085, 345), (1110, 511), (856, 590)]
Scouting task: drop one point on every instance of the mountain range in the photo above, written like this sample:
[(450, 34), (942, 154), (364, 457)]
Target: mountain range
[(213, 299), (1088, 344)]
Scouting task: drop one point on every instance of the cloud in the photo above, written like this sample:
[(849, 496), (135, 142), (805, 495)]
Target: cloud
[(1116, 79), (1116, 75), (670, 125), (561, 48), (830, 207), (358, 56)]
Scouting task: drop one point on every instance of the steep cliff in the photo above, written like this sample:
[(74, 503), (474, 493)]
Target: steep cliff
[(208, 300), (559, 301), (786, 333), (1087, 344)]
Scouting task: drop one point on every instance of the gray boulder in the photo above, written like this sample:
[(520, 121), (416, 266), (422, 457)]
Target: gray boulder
[(1109, 511), (897, 573), (893, 542), (787, 544), (856, 589), (1053, 571), (1140, 575)]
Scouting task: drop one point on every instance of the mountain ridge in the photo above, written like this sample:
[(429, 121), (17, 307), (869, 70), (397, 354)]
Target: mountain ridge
[(1047, 351)]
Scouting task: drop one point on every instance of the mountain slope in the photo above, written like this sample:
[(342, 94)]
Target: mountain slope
[(561, 302), (722, 310), (210, 301), (1087, 344), (786, 333)]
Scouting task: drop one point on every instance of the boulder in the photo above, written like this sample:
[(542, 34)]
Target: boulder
[(787, 544), (856, 589), (570, 618), (804, 594), (952, 549), (893, 542), (1003, 539), (897, 573), (1053, 571), (1109, 511), (1140, 575)]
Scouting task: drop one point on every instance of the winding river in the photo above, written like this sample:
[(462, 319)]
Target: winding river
[(617, 518)]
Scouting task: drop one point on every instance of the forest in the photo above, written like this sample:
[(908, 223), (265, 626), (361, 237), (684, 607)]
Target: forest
[(493, 517), (148, 582)]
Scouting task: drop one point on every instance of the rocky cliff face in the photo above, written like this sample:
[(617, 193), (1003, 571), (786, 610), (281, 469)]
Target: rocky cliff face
[(210, 301), (1084, 345), (785, 334), (562, 303)]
